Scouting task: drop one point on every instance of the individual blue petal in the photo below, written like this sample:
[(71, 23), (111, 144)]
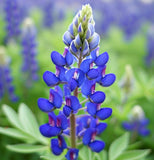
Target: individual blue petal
[(72, 154), (104, 113), (144, 131), (101, 127), (102, 59), (128, 126), (80, 77), (75, 104), (56, 150), (85, 65), (97, 145), (52, 119), (57, 99), (86, 87), (93, 73), (49, 131), (86, 121), (85, 49), (45, 105), (69, 58), (50, 78), (108, 80), (72, 84), (97, 97), (67, 38), (80, 29), (77, 41), (67, 91), (69, 74), (61, 71), (62, 122), (91, 108), (95, 41), (62, 142), (73, 48), (91, 27), (70, 29), (88, 34), (59, 90), (87, 136), (57, 58), (67, 110), (94, 53)]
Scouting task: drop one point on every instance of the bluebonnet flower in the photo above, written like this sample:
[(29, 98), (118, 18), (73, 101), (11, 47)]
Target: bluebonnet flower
[(12, 18), (150, 48), (29, 52), (138, 123), (82, 47), (6, 86)]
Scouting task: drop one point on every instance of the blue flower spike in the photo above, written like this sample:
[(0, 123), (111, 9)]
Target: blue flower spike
[(72, 80)]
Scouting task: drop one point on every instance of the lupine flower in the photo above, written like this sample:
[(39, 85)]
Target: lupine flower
[(82, 47), (29, 52), (6, 86), (12, 18), (138, 122), (150, 48)]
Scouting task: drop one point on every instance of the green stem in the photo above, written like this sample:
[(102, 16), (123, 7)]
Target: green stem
[(73, 118)]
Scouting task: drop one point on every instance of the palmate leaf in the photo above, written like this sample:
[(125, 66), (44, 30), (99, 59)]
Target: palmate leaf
[(24, 122), (85, 152), (12, 116), (51, 156), (26, 148), (134, 155), (100, 156), (16, 134), (118, 146)]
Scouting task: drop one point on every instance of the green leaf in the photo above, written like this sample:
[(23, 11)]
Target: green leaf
[(85, 152), (12, 116), (134, 155), (26, 148), (118, 146), (16, 134), (28, 120)]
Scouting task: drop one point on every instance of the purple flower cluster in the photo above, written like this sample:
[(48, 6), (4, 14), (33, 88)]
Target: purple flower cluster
[(29, 52), (6, 79), (12, 18), (78, 71)]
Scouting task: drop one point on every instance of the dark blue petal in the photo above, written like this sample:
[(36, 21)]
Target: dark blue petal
[(62, 71), (69, 58), (81, 77), (144, 122), (104, 113), (56, 150), (97, 146), (67, 110), (59, 90), (85, 65), (87, 136), (72, 154), (86, 87), (50, 78), (57, 99), (91, 108), (72, 84), (44, 105), (102, 59), (73, 48), (57, 58), (77, 41), (101, 127), (62, 142), (49, 131), (69, 74), (52, 119), (75, 104), (86, 121), (67, 91), (95, 41), (62, 122), (93, 73), (108, 80), (97, 97), (67, 38), (127, 126)]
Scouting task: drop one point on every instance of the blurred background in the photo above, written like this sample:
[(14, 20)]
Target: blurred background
[(30, 30)]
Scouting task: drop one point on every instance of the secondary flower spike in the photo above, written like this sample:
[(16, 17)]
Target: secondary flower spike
[(70, 80)]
